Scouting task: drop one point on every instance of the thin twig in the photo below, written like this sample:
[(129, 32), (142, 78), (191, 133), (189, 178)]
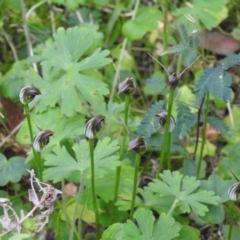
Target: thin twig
[(11, 45), (26, 33), (11, 134), (230, 113), (33, 8), (79, 16)]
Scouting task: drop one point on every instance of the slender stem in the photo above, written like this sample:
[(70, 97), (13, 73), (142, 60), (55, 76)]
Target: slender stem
[(11, 45), (33, 8), (36, 155), (198, 129), (204, 133), (135, 182), (91, 149), (231, 221), (52, 19), (26, 33), (57, 233), (39, 160), (172, 208), (165, 32), (230, 113), (167, 136), (123, 148), (122, 54)]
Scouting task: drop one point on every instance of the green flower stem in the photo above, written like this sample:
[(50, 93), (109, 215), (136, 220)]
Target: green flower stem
[(95, 205), (135, 182), (121, 56), (165, 32), (57, 233), (26, 33), (37, 156), (198, 129), (167, 136), (118, 173), (231, 220), (204, 135), (174, 205)]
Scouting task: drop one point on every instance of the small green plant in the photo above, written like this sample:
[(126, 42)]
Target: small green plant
[(172, 177)]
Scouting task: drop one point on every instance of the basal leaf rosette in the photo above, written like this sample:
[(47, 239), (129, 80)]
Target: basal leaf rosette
[(63, 61)]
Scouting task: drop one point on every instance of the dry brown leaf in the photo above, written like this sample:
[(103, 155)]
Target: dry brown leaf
[(218, 43)]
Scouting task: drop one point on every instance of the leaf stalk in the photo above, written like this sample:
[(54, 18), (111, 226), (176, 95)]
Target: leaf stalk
[(37, 156), (118, 173), (204, 135), (135, 183), (95, 205), (167, 137)]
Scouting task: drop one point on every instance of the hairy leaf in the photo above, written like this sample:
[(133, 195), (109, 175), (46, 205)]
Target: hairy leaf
[(61, 164), (185, 120), (187, 46), (230, 61), (216, 81), (184, 188), (220, 87), (219, 125), (149, 122), (182, 34)]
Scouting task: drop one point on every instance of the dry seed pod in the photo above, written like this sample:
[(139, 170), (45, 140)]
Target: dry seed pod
[(127, 86), (28, 93), (41, 140), (234, 191), (162, 115), (138, 145), (173, 80), (93, 126)]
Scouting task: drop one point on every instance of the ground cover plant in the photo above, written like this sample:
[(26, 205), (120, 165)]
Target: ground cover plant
[(119, 120)]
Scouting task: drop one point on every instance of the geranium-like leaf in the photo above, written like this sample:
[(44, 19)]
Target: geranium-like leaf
[(218, 185), (186, 192), (164, 228), (11, 170), (62, 164), (62, 63)]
